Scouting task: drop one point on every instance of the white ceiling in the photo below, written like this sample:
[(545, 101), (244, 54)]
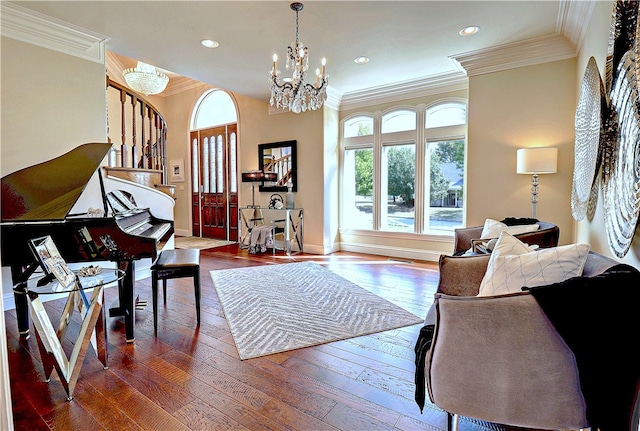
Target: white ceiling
[(405, 40)]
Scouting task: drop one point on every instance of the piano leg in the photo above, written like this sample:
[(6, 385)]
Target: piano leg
[(20, 298), (126, 296), (22, 313)]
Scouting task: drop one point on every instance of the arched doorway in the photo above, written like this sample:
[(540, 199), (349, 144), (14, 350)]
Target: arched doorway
[(214, 161)]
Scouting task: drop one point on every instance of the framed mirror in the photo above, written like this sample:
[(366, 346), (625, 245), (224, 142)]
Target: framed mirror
[(279, 157)]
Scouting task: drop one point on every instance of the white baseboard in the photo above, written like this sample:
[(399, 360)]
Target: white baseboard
[(182, 232), (398, 252)]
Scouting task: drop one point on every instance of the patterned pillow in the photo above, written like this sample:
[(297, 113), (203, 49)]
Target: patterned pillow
[(513, 265), (493, 229)]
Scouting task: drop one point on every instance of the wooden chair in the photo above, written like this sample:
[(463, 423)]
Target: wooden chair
[(175, 264)]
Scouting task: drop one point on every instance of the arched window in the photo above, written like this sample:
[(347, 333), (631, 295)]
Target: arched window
[(446, 114), (361, 125), (357, 163), (403, 169), (214, 108), (399, 120)]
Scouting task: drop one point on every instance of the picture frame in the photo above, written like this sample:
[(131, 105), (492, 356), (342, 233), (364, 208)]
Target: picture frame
[(281, 158), (176, 171), (50, 260)]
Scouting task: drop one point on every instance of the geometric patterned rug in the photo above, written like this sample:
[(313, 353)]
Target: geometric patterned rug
[(281, 307)]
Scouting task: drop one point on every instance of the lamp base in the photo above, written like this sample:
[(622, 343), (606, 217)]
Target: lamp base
[(534, 194)]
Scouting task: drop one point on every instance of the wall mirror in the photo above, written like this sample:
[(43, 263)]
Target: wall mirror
[(279, 157)]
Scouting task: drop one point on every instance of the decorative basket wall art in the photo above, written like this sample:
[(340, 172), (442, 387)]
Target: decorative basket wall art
[(622, 200), (618, 147), (588, 124)]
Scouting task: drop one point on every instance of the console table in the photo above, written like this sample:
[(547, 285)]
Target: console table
[(286, 223)]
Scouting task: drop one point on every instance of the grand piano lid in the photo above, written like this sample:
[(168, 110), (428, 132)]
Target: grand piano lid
[(48, 190)]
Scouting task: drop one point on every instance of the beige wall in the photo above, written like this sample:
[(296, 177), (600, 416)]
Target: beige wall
[(527, 106), (595, 44), (51, 103), (331, 195)]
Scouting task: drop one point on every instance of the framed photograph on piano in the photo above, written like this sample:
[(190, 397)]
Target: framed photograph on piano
[(51, 261)]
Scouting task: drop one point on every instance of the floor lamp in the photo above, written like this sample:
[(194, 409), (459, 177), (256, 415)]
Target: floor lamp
[(536, 161), (254, 177)]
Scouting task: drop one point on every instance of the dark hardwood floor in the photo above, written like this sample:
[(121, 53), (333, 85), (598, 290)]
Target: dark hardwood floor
[(190, 378)]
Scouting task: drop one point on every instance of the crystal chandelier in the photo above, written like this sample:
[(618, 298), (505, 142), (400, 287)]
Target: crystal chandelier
[(293, 93), (145, 79)]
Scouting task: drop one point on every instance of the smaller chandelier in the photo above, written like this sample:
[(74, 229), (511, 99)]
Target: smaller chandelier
[(145, 79), (293, 93)]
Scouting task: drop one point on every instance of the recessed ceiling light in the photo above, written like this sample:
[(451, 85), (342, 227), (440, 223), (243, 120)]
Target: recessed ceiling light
[(361, 60), (468, 31), (208, 43)]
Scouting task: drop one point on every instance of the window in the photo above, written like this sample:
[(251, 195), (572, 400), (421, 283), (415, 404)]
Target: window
[(444, 185), (409, 176), (358, 126), (398, 121), (446, 114), (398, 187), (214, 109), (357, 199)]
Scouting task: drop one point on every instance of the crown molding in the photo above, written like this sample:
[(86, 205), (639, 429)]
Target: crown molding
[(333, 98), (517, 54), (571, 18), (178, 84), (428, 86), (37, 29)]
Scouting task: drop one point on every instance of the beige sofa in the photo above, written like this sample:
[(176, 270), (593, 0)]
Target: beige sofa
[(499, 358)]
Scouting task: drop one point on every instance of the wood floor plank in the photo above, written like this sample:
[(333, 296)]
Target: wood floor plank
[(199, 415), (305, 373), (103, 409), (347, 417), (241, 413)]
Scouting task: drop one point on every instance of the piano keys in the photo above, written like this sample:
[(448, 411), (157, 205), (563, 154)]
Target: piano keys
[(38, 200)]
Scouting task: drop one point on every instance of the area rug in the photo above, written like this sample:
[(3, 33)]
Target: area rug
[(276, 308), (199, 243)]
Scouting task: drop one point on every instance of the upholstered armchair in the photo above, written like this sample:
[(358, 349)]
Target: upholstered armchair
[(546, 236), (501, 359)]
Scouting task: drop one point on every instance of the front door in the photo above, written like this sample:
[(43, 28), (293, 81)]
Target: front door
[(215, 189)]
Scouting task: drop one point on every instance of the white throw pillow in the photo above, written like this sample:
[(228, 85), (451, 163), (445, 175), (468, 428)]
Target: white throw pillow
[(493, 229), (512, 266)]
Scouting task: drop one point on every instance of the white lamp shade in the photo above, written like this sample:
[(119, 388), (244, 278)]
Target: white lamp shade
[(538, 160)]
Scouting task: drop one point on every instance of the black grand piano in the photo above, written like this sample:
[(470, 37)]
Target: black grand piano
[(38, 200)]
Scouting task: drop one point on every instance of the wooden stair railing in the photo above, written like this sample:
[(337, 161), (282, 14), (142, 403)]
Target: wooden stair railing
[(138, 118)]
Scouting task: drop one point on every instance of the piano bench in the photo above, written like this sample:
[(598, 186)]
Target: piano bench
[(175, 264)]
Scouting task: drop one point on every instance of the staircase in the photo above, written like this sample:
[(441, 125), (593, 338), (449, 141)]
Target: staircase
[(139, 153)]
